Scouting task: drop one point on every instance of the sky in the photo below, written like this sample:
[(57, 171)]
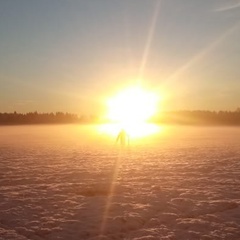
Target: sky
[(72, 55)]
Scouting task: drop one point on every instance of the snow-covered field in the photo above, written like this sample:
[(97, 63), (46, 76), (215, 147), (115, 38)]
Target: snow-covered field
[(65, 182)]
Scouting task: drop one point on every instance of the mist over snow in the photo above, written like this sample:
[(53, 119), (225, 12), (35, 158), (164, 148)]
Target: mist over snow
[(58, 183)]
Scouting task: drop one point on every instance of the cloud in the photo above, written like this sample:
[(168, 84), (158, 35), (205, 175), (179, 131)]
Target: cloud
[(227, 8)]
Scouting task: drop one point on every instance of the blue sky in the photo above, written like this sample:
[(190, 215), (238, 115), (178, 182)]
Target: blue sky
[(63, 55)]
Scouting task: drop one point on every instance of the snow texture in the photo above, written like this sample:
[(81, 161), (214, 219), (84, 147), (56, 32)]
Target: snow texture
[(57, 186)]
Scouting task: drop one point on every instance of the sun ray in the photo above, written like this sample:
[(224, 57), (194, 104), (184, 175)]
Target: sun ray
[(110, 194), (149, 40), (201, 54), (228, 7)]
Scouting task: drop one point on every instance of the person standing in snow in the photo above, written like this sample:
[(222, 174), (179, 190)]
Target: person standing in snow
[(122, 138)]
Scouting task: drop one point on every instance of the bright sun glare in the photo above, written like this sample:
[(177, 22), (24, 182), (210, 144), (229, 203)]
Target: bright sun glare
[(133, 105), (130, 109)]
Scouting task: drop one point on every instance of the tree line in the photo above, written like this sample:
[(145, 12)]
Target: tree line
[(42, 118), (197, 117)]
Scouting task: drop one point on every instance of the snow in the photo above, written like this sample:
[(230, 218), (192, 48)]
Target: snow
[(59, 182)]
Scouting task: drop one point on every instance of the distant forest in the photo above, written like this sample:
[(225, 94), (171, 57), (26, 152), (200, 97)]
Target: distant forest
[(42, 118), (227, 118), (198, 117)]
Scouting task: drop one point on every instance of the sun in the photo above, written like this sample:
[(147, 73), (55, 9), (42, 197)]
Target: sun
[(130, 110), (132, 105)]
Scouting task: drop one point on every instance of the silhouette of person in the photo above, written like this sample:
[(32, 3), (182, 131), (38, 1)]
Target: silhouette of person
[(122, 137)]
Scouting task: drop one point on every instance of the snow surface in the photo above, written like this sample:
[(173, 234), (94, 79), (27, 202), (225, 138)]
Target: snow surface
[(59, 182)]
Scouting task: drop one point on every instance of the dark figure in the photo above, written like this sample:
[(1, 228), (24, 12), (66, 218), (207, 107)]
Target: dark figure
[(122, 138)]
